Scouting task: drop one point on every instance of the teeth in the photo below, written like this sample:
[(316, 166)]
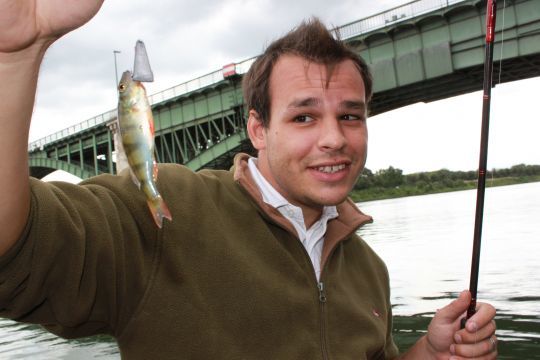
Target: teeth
[(331, 169)]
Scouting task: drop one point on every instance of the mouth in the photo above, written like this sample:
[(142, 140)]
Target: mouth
[(331, 172), (331, 169)]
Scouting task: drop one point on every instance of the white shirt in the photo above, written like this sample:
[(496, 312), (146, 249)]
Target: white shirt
[(312, 238)]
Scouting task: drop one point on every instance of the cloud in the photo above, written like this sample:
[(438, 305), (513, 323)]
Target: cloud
[(187, 39), (184, 39)]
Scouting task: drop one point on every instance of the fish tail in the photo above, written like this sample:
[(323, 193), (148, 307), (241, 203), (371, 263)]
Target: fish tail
[(159, 210)]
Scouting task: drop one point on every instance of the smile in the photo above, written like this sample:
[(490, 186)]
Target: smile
[(331, 169)]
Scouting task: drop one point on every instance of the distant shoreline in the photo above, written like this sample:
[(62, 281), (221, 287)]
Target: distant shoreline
[(381, 193)]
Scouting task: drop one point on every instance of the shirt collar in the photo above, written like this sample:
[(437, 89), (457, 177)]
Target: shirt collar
[(269, 194), (349, 219)]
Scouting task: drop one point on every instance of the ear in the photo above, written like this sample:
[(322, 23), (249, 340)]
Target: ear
[(256, 130)]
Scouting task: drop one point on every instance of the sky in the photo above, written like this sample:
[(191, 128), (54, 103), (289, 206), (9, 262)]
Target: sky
[(188, 39)]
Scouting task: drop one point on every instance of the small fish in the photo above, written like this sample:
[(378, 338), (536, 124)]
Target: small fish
[(137, 133)]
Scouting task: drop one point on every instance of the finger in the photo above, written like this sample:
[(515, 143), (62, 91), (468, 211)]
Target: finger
[(492, 356), (484, 315), (466, 337), (453, 311), (483, 349)]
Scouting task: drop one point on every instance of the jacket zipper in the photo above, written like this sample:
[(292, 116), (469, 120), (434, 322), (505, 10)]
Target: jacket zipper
[(322, 299), (322, 302)]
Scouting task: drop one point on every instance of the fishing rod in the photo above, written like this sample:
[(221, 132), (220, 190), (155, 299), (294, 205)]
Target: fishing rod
[(481, 187)]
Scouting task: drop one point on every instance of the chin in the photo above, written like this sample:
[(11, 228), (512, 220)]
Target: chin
[(332, 200)]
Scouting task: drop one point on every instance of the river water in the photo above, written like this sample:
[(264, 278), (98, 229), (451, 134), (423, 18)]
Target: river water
[(426, 242)]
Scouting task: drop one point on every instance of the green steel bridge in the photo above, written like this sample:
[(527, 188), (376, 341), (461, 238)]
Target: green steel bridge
[(424, 50)]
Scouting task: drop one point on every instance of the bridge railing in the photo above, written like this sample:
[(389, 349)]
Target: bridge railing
[(380, 20), (181, 89), (87, 124), (198, 83), (391, 16)]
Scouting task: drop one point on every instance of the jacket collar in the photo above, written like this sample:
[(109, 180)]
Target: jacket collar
[(349, 217)]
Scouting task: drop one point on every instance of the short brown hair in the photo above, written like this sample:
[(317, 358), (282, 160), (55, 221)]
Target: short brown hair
[(310, 40)]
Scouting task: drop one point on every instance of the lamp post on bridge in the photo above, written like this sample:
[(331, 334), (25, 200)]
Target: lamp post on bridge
[(115, 67)]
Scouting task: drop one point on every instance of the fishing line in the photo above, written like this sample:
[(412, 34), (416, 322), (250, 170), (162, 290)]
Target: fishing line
[(475, 342), (502, 41)]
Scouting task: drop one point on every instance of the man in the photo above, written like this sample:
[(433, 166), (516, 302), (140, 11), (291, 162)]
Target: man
[(258, 263)]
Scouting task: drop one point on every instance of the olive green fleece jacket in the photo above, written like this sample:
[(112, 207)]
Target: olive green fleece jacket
[(226, 279)]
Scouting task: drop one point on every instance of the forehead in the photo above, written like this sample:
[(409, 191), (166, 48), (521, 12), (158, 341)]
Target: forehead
[(292, 75)]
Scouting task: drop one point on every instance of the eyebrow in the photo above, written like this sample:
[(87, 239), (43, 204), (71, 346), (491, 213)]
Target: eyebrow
[(353, 105), (312, 101), (299, 103)]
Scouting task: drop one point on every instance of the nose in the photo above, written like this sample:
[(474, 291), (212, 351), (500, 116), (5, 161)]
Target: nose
[(331, 136)]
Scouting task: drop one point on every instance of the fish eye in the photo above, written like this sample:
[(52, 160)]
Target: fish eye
[(121, 87)]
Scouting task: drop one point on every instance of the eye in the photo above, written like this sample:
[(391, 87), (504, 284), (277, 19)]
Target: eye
[(303, 119), (121, 87), (350, 117)]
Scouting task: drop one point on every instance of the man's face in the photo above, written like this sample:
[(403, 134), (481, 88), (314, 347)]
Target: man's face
[(316, 143)]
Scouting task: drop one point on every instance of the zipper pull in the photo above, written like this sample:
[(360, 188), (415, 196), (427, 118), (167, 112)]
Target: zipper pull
[(322, 293)]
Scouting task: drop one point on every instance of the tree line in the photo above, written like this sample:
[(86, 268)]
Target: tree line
[(391, 182)]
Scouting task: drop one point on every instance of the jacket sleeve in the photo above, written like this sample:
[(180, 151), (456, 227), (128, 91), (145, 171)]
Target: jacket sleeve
[(391, 350), (84, 260)]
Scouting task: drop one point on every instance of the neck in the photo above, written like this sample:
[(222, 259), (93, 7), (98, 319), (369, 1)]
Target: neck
[(311, 215)]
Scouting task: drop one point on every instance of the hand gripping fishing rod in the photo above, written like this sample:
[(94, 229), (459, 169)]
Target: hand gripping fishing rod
[(488, 71)]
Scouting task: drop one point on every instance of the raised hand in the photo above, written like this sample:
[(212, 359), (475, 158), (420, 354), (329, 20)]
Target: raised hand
[(27, 28), (24, 23)]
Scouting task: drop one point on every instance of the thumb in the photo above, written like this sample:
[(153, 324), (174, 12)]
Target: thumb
[(456, 308)]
